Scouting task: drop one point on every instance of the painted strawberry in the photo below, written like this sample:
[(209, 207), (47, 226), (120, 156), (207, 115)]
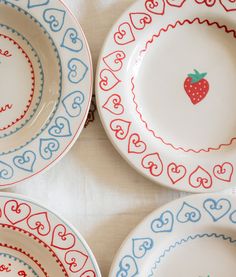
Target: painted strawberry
[(196, 86)]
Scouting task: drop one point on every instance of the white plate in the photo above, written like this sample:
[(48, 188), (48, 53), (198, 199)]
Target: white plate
[(166, 91), (35, 242), (193, 236), (45, 84)]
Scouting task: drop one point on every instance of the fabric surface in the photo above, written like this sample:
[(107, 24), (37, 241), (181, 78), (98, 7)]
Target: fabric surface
[(93, 187)]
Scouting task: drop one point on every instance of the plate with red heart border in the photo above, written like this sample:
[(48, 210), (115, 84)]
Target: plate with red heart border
[(36, 242), (46, 86), (166, 91), (192, 236)]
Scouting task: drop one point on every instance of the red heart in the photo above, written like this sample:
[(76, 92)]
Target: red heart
[(88, 273), (113, 105), (229, 5), (176, 172), (124, 35), (121, 128), (176, 3), (136, 146), (200, 178), (140, 20), (16, 212), (108, 80), (155, 6), (209, 3), (153, 163), (76, 260), (40, 223), (224, 172), (61, 239), (115, 60)]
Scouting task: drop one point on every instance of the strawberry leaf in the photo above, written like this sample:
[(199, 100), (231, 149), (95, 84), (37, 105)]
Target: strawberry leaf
[(196, 77)]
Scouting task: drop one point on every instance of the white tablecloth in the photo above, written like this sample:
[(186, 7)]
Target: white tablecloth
[(93, 187)]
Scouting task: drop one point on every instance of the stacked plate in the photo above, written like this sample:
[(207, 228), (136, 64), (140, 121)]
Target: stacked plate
[(165, 93)]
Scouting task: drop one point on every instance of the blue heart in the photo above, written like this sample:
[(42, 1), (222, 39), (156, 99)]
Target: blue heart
[(164, 223), (217, 209), (77, 70), (61, 128), (6, 171), (127, 267), (26, 161), (47, 147), (37, 3), (188, 213), (72, 103), (71, 41), (141, 246), (55, 18)]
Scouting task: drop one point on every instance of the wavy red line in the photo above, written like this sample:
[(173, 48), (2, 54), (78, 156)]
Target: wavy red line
[(5, 108)]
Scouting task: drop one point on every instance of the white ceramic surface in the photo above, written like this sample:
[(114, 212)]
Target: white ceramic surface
[(36, 242), (192, 236), (46, 86), (166, 102)]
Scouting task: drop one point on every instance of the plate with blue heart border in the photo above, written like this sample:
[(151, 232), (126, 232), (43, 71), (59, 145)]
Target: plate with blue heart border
[(35, 242), (192, 236), (46, 86), (164, 100)]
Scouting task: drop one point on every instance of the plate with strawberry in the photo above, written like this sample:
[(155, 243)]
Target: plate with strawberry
[(166, 91)]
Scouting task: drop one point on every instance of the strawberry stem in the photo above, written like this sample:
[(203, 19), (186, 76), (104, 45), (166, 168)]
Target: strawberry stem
[(197, 76)]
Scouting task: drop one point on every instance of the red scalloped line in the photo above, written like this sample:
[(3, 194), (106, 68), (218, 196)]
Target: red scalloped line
[(164, 30), (5, 108), (14, 228), (26, 254), (32, 88)]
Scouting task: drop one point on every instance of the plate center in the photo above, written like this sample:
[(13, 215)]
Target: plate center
[(184, 97), (191, 257)]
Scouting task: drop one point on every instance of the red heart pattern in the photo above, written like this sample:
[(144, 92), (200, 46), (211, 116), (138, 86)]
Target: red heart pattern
[(229, 5), (16, 212), (40, 223), (153, 163), (121, 128), (155, 6), (136, 145), (124, 35), (200, 178), (140, 20), (209, 3), (176, 3), (113, 105), (224, 172), (61, 239), (176, 172), (114, 61), (88, 273), (108, 80), (76, 260)]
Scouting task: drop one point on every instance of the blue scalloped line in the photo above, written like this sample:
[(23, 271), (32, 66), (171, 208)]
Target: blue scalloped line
[(41, 78), (191, 237), (60, 71), (6, 255)]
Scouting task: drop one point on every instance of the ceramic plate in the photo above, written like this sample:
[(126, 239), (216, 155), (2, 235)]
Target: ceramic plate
[(166, 91), (36, 242), (193, 236), (46, 82)]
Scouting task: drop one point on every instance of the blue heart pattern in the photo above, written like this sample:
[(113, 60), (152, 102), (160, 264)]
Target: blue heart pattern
[(164, 223), (141, 246), (72, 103), (37, 3), (61, 128), (127, 267), (188, 213), (71, 41), (217, 209), (55, 18), (26, 161), (47, 147), (6, 171), (77, 70)]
